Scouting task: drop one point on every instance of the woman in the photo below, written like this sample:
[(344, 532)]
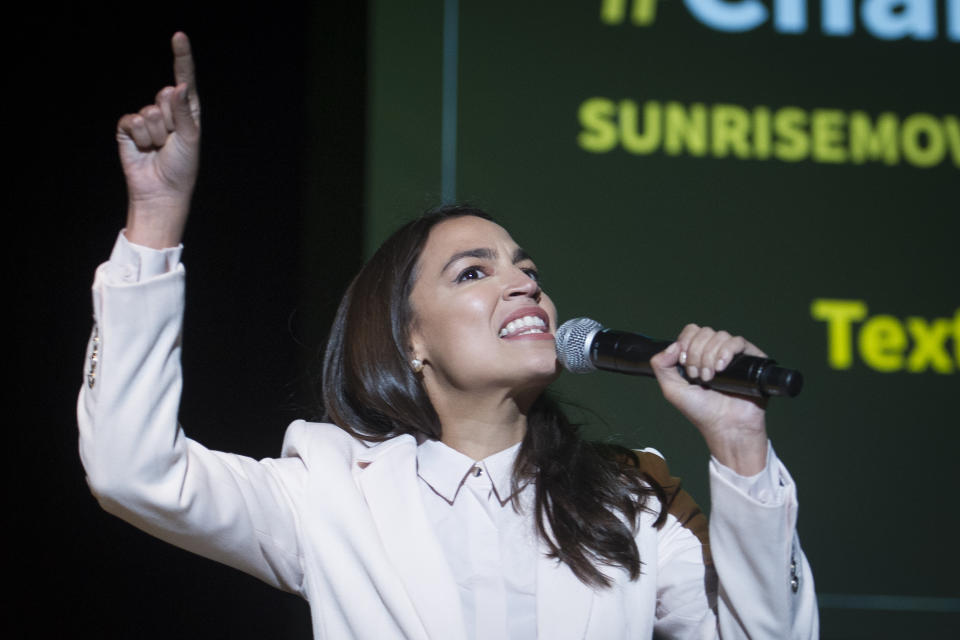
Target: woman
[(449, 498)]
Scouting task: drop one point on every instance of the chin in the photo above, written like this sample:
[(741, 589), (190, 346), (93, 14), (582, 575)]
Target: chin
[(541, 376)]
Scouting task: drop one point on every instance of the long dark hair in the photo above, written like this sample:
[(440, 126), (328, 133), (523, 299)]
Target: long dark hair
[(588, 497)]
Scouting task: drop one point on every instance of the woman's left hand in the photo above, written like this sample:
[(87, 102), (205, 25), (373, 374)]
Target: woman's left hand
[(733, 426)]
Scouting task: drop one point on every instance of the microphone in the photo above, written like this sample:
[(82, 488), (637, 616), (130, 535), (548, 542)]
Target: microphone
[(584, 345)]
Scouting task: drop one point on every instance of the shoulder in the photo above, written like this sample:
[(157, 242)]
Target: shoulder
[(677, 502), (326, 442), (648, 462), (302, 434), (651, 463)]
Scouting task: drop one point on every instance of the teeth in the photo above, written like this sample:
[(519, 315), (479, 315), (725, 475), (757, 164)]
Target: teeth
[(523, 326)]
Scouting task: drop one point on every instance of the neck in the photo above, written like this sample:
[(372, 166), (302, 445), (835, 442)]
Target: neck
[(479, 426)]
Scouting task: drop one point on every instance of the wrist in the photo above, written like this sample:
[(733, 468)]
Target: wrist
[(156, 224), (744, 452)]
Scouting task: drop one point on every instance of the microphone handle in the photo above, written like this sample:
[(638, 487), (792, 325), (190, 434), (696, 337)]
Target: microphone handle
[(630, 353)]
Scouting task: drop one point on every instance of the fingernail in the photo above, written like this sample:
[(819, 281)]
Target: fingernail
[(672, 349), (683, 357), (721, 364), (692, 371), (706, 374)]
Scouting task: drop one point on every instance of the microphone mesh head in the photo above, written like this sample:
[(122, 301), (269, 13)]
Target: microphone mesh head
[(573, 344)]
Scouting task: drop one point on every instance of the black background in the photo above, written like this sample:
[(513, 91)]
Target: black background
[(72, 71)]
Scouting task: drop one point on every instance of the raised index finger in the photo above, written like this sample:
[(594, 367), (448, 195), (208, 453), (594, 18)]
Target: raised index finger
[(183, 62)]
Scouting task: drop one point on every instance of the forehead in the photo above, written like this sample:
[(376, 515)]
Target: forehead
[(463, 234)]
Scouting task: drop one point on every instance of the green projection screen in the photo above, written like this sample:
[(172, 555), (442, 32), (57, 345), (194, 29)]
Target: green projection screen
[(786, 170)]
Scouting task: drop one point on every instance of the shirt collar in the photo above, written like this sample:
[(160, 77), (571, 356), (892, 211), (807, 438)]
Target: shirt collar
[(445, 469)]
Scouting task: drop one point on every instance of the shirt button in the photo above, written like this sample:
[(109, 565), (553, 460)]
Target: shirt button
[(476, 471)]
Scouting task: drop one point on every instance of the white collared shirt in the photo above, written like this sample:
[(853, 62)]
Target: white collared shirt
[(492, 549)]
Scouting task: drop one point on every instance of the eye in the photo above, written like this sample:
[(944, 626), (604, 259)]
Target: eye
[(471, 273), (533, 273)]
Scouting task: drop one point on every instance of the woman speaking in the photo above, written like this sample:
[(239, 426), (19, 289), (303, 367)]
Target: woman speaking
[(445, 496)]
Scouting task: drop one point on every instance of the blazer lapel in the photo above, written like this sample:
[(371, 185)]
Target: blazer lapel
[(563, 602), (389, 483)]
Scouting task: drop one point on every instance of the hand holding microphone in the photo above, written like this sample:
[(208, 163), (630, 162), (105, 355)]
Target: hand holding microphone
[(732, 423), (584, 345)]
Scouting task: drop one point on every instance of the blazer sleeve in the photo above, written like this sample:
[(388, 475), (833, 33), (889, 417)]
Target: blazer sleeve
[(766, 587), (140, 465), (743, 574)]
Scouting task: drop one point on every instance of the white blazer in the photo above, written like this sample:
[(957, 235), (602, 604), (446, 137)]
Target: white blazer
[(342, 523)]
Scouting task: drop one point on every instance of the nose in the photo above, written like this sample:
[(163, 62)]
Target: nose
[(521, 284)]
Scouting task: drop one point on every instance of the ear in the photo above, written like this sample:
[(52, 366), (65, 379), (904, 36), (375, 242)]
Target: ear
[(416, 341), (416, 347)]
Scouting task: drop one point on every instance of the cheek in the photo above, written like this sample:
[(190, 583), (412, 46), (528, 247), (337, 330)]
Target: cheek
[(454, 326), (467, 323), (547, 303)]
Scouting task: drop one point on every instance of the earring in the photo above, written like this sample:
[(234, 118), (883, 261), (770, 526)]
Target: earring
[(417, 365)]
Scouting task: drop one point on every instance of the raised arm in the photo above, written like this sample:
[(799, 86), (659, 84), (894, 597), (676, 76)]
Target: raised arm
[(139, 463), (765, 585), (160, 149)]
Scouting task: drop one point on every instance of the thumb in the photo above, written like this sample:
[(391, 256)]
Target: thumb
[(664, 366)]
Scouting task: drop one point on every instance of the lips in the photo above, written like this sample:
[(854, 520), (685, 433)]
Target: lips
[(530, 321)]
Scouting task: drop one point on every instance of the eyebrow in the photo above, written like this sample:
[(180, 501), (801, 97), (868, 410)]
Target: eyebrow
[(485, 254)]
